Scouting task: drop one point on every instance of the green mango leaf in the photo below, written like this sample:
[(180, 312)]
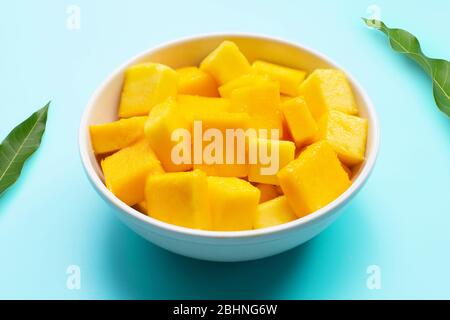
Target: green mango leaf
[(19, 145), (438, 69)]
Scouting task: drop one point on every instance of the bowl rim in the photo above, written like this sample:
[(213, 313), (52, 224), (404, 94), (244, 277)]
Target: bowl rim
[(85, 149)]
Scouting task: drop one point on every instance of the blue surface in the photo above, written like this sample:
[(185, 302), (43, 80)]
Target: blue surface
[(52, 218)]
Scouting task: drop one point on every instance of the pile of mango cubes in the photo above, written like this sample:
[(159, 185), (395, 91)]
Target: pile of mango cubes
[(321, 140)]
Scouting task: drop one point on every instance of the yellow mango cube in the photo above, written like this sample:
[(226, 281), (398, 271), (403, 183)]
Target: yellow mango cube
[(225, 63), (241, 82), (261, 102), (302, 126), (194, 81), (328, 89), (162, 121), (289, 78), (274, 212), (314, 179), (116, 135), (233, 203), (126, 171), (197, 107), (146, 85), (179, 198), (273, 155), (346, 134), (222, 122), (268, 192)]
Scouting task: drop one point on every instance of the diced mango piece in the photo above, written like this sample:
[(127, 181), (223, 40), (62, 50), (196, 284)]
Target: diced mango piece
[(145, 86), (126, 171), (346, 134), (274, 212), (314, 179), (289, 78), (241, 82), (273, 155), (301, 124), (162, 121), (268, 192), (196, 107), (116, 135), (328, 89), (261, 102), (179, 198), (222, 122), (233, 203), (225, 63), (194, 81)]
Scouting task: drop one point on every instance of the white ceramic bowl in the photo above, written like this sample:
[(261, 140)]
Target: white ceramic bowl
[(213, 245)]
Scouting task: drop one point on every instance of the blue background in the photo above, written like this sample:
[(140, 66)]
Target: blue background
[(52, 218)]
